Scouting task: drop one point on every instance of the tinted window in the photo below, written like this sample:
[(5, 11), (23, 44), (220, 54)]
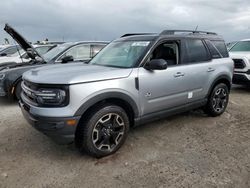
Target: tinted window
[(213, 50), (220, 45), (96, 49), (243, 46), (196, 51)]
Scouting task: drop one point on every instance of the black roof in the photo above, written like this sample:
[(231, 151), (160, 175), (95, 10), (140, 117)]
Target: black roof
[(174, 34), (135, 37)]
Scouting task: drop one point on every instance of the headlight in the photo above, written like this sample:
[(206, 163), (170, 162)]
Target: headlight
[(51, 97), (2, 76)]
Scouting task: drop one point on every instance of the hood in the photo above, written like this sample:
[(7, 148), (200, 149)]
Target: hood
[(239, 55), (20, 39), (74, 73), (18, 70)]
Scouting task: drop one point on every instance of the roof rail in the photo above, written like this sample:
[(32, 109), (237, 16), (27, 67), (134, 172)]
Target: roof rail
[(131, 34), (172, 32)]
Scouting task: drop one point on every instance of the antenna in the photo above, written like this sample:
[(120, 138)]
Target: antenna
[(196, 28)]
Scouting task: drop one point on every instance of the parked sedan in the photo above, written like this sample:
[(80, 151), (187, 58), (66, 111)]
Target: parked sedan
[(74, 51), (21, 56), (11, 75)]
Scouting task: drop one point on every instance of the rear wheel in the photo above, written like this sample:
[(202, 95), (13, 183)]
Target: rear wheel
[(218, 100), (104, 131)]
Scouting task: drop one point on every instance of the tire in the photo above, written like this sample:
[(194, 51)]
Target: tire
[(218, 100), (18, 90), (103, 132)]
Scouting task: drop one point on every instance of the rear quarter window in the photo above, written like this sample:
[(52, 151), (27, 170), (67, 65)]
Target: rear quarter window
[(213, 50), (221, 46)]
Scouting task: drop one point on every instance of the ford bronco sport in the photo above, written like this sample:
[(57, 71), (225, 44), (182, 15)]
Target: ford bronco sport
[(135, 79)]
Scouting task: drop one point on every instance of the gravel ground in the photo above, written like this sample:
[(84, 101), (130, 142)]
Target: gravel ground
[(187, 150)]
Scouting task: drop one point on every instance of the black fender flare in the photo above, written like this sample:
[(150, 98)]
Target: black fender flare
[(221, 77), (108, 95), (13, 84)]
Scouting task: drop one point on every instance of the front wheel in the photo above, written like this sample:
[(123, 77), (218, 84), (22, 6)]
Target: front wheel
[(18, 91), (104, 132), (218, 100)]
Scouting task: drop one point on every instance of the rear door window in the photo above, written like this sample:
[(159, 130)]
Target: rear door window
[(196, 51)]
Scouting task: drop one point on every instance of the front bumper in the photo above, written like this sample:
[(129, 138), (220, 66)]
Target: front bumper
[(241, 77), (55, 128)]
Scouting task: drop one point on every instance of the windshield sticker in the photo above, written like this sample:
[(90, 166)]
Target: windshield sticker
[(144, 43)]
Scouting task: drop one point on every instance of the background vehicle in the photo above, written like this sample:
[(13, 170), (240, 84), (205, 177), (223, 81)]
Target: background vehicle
[(21, 55), (240, 53), (230, 44), (11, 74), (9, 50), (135, 79), (74, 51)]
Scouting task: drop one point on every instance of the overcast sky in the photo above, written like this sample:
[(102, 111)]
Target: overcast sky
[(74, 20)]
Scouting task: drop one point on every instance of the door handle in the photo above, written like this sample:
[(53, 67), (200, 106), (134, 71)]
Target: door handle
[(179, 74), (210, 69)]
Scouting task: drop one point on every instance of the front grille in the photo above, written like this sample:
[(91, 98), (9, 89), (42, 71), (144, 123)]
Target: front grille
[(239, 63), (28, 91)]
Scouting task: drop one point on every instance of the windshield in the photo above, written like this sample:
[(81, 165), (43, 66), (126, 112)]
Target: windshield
[(55, 51), (42, 49), (242, 46), (120, 54), (21, 51)]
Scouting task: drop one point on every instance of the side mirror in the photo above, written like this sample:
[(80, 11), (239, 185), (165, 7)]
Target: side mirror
[(3, 54), (31, 53), (68, 58), (156, 64)]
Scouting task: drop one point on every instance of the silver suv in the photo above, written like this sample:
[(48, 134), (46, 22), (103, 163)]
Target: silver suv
[(135, 79)]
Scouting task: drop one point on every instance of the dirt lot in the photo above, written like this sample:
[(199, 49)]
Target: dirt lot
[(187, 150)]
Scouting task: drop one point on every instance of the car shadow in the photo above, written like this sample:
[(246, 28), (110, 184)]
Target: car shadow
[(241, 88), (191, 114), (4, 101)]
